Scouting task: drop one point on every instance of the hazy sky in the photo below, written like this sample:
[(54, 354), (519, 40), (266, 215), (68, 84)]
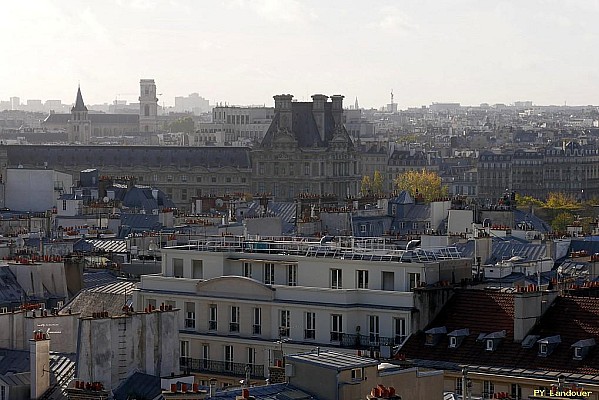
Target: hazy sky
[(244, 52)]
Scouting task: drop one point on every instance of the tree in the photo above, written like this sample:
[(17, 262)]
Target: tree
[(561, 221), (527, 201), (182, 125), (561, 201), (377, 183), (426, 183), (366, 186)]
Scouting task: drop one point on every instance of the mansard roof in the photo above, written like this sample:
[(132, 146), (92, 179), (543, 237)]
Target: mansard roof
[(129, 156), (304, 129), (101, 118)]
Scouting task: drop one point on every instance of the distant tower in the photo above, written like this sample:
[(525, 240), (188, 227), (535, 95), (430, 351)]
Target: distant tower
[(148, 105), (79, 125), (356, 106), (392, 107)]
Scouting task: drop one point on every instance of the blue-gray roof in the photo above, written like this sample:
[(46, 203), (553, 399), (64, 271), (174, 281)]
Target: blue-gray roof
[(139, 386), (506, 248), (128, 156)]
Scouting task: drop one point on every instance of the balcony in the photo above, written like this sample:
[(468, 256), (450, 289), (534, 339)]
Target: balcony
[(212, 325), (190, 323), (234, 327), (309, 334), (230, 368), (354, 341), (256, 329)]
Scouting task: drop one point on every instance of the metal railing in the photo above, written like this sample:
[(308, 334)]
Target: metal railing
[(358, 341), (189, 364)]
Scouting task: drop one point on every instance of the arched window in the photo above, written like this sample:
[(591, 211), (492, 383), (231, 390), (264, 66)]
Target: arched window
[(147, 110)]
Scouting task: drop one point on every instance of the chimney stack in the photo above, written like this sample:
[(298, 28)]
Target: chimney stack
[(528, 309), (283, 108), (39, 360), (318, 102), (337, 107)]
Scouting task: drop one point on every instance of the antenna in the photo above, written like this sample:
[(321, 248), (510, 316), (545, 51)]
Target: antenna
[(391, 97)]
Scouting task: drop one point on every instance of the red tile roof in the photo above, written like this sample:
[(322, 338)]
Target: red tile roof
[(573, 318)]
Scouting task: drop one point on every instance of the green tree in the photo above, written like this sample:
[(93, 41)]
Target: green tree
[(426, 183), (377, 183), (182, 125), (561, 221), (527, 201)]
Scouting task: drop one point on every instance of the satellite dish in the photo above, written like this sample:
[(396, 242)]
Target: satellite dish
[(219, 202), (105, 199)]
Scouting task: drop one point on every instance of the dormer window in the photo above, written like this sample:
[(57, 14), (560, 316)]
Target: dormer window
[(582, 348), (492, 340), (434, 335), (457, 337), (548, 344)]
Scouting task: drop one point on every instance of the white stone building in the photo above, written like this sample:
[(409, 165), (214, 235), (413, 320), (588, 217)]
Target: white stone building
[(247, 302)]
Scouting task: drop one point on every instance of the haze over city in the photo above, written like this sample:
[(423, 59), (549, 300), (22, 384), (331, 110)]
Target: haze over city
[(243, 52)]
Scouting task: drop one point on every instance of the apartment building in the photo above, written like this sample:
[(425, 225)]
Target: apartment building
[(247, 302)]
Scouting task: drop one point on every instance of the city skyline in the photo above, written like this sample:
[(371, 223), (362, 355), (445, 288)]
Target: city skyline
[(242, 52)]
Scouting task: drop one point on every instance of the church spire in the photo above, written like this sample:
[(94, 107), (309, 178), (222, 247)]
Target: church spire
[(79, 105), (356, 107)]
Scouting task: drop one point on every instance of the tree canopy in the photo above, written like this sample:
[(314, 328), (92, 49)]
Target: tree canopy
[(426, 183)]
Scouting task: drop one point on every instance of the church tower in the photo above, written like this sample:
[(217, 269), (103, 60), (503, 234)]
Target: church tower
[(79, 125), (148, 105)]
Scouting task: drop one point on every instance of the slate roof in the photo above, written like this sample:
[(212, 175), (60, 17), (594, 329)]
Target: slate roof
[(11, 293), (128, 156), (110, 297), (109, 245), (279, 391), (281, 209), (79, 105), (506, 248), (573, 318), (100, 118), (305, 131), (139, 386)]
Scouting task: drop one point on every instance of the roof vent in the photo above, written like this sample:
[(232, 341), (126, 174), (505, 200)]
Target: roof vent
[(434, 335), (548, 344), (493, 339), (582, 348), (457, 337)]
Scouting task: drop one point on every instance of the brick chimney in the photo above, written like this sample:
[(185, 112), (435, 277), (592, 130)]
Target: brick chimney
[(318, 101), (337, 107), (39, 360), (283, 108)]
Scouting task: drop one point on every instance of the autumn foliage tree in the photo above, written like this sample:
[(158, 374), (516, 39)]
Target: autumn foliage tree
[(426, 183)]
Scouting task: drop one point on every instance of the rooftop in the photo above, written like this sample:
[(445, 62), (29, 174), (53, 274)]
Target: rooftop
[(333, 360)]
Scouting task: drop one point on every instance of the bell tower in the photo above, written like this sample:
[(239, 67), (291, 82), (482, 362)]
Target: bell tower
[(79, 125), (148, 105)]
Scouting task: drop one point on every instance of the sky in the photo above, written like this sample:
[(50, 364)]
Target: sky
[(243, 52)]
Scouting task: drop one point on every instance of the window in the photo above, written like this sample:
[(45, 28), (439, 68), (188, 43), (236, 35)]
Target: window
[(3, 393), (336, 327), (212, 318), (399, 328), (388, 279), (183, 194), (362, 228), (190, 315), (516, 392), (269, 273), (415, 225), (213, 179), (251, 352), (306, 169), (197, 269), (183, 178), (257, 325), (488, 389), (373, 325), (169, 178), (362, 279), (578, 353), (178, 267), (284, 324), (543, 348), (228, 358), (453, 341), (184, 349), (64, 207), (458, 386), (357, 374), (291, 275), (310, 327), (205, 354), (234, 322), (336, 278), (414, 278), (198, 179), (247, 269)]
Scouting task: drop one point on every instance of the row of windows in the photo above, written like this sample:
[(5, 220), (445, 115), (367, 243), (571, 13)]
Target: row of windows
[(489, 389), (309, 323)]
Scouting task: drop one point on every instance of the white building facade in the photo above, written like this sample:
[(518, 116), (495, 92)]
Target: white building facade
[(245, 303)]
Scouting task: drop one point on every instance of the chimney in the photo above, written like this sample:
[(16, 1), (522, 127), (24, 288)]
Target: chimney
[(39, 360), (283, 108), (337, 107), (155, 194), (318, 101), (528, 308)]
